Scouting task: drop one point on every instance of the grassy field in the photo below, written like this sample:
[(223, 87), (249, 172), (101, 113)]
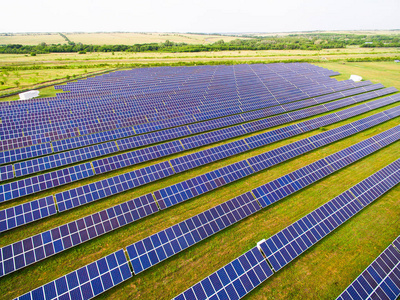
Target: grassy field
[(18, 71), (321, 273)]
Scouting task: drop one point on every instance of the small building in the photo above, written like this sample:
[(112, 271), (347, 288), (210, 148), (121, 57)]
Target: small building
[(28, 95), (396, 61), (355, 78)]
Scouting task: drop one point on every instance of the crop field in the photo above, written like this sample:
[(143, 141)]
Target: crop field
[(113, 38), (31, 39), (131, 38), (143, 38), (322, 272)]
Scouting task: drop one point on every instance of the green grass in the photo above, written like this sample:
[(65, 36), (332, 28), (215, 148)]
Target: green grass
[(321, 273)]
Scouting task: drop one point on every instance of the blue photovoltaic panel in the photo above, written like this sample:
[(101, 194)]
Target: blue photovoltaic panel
[(380, 280), (289, 243), (64, 158), (232, 281), (193, 187), (196, 159), (6, 172), (285, 246), (135, 157), (42, 182), (25, 153), (10, 264), (396, 243), (25, 213), (196, 186), (38, 247), (292, 182), (68, 157), (111, 186), (166, 243), (86, 282)]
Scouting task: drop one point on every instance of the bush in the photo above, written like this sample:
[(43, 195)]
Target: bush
[(33, 53), (82, 52)]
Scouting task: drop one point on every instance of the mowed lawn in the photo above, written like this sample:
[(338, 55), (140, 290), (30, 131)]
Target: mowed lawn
[(321, 273)]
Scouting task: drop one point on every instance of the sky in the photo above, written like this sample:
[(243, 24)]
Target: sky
[(206, 16)]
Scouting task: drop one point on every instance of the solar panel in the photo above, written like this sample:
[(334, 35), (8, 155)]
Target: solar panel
[(286, 245), (143, 140), (380, 280), (72, 127), (289, 243), (25, 213), (232, 281), (43, 245), (86, 282), (42, 182), (204, 183), (164, 244)]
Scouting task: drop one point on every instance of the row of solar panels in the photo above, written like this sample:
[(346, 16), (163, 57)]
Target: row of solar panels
[(188, 87), (380, 280), (243, 274), (34, 210), (82, 154), (27, 139), (240, 276), (125, 132), (133, 179), (41, 134), (76, 232), (21, 123), (138, 77), (37, 209)]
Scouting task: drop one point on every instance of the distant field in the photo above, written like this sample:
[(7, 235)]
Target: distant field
[(131, 38), (364, 32), (32, 39), (143, 38), (112, 38)]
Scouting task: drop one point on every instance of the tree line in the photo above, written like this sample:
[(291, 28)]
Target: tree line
[(291, 42)]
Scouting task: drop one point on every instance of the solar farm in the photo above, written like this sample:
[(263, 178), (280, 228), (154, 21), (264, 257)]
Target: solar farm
[(203, 182)]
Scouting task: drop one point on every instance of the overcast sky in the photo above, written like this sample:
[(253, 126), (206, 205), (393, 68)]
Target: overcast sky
[(197, 15)]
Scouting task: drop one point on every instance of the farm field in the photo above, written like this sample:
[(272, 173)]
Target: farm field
[(113, 38), (143, 38), (18, 71), (131, 38), (31, 39), (320, 273)]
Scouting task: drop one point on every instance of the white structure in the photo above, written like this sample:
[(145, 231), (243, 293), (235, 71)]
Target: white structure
[(355, 78), (28, 95)]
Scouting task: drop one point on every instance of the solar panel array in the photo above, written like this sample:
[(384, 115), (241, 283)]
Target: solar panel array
[(50, 180), (125, 118), (237, 278), (79, 231), (86, 282), (92, 192), (380, 280), (207, 182)]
